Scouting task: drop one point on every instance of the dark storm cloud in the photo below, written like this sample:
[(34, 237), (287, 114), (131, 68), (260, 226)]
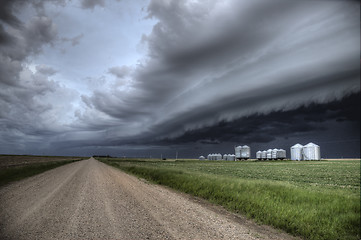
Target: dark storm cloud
[(215, 62), (5, 38), (233, 35), (25, 41), (6, 12), (29, 98), (266, 128)]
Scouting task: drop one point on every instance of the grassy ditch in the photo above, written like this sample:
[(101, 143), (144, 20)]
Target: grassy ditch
[(302, 209), (8, 175)]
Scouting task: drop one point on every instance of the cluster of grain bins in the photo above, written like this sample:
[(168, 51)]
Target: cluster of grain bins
[(309, 151), (214, 156), (271, 154), (229, 157), (218, 156), (242, 152)]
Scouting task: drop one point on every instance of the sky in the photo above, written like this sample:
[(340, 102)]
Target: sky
[(151, 78)]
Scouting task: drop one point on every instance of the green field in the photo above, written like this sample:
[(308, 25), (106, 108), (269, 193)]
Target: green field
[(311, 199)]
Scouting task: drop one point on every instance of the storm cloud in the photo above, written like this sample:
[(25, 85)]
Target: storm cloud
[(209, 73)]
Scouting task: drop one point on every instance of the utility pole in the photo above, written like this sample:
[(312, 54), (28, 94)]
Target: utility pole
[(176, 155)]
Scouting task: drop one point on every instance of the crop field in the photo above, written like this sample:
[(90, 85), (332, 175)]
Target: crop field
[(310, 199), (17, 167)]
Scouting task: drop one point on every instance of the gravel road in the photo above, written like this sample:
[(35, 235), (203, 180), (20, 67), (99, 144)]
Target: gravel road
[(90, 200)]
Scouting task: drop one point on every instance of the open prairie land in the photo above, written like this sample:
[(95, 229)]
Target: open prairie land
[(310, 199), (9, 161), (16, 167)]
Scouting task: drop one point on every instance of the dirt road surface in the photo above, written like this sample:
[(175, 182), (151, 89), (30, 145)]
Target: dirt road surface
[(90, 200)]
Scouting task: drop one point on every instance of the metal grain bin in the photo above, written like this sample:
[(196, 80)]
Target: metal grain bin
[(274, 153), (231, 157), (245, 152), (281, 154), (237, 152), (296, 152), (264, 154), (269, 154), (311, 151), (201, 158), (259, 155)]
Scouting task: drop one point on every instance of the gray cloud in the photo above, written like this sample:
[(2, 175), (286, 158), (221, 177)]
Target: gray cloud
[(39, 31), (120, 72), (46, 70), (6, 12), (91, 4), (30, 100), (74, 40)]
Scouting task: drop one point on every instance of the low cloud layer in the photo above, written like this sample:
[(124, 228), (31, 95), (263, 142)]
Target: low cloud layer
[(207, 70)]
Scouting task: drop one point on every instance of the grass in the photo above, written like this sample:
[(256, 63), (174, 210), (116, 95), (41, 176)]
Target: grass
[(8, 175), (314, 200)]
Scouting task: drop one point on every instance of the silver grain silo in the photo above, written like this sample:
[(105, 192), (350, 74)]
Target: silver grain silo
[(225, 157), (259, 155), (209, 156), (201, 158), (274, 153), (317, 152), (296, 152), (237, 152), (245, 152), (307, 152), (218, 156), (311, 151), (281, 154), (231, 157), (264, 154), (269, 154)]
